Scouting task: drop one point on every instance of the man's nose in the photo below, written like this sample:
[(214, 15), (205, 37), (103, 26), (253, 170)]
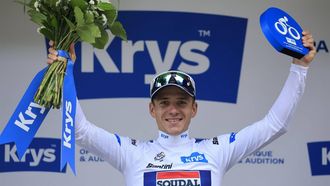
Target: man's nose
[(173, 109)]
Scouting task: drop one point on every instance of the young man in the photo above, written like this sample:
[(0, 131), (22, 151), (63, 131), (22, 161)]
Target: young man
[(175, 159)]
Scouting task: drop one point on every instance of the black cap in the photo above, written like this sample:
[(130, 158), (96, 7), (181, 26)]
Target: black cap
[(173, 78)]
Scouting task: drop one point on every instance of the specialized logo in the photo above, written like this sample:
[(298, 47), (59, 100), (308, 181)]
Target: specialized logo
[(42, 155), (178, 178), (319, 157), (232, 137), (196, 47), (198, 140), (194, 157)]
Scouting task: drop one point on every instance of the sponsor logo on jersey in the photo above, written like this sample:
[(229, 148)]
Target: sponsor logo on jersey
[(163, 166), (232, 137), (194, 157), (43, 154), (210, 49), (198, 140), (215, 141), (319, 157), (183, 135), (133, 142), (178, 178), (159, 157), (165, 136)]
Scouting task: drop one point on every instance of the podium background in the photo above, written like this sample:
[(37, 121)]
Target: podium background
[(263, 72)]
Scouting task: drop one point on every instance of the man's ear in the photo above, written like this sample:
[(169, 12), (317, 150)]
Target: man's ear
[(194, 109), (152, 109)]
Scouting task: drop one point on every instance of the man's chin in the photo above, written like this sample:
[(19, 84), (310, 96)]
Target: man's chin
[(175, 132)]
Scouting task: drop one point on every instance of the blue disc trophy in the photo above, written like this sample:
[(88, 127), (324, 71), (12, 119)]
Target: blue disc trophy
[(283, 32)]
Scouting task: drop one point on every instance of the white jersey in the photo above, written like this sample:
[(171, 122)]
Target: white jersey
[(184, 161)]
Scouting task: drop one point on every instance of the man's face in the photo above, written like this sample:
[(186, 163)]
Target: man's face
[(173, 109)]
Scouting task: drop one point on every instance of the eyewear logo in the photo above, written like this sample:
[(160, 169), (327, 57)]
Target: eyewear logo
[(194, 47), (194, 157), (40, 156), (319, 157)]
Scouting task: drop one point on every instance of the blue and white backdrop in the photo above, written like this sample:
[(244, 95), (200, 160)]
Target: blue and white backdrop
[(220, 43)]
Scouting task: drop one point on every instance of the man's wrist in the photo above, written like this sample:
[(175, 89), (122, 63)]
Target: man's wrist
[(299, 62)]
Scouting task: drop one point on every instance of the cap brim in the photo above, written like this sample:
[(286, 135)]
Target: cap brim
[(171, 84)]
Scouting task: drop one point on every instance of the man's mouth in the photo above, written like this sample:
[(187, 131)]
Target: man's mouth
[(173, 120)]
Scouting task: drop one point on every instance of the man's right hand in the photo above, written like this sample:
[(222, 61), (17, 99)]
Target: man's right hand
[(53, 54)]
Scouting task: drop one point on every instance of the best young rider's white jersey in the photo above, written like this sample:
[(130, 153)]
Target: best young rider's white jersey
[(184, 161)]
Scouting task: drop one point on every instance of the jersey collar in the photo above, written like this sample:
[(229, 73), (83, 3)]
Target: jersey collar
[(167, 139)]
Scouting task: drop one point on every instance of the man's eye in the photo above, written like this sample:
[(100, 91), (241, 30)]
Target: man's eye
[(163, 102), (182, 102)]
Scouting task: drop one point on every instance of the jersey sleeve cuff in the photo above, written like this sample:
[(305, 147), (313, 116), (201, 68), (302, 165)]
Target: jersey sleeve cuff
[(299, 69)]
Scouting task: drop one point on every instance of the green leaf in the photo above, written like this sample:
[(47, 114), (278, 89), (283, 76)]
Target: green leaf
[(71, 25), (37, 17), (95, 31), (47, 33), (111, 16), (47, 24), (82, 4), (79, 15), (88, 33), (51, 3), (53, 22), (85, 35), (89, 17), (105, 6), (117, 29), (100, 42)]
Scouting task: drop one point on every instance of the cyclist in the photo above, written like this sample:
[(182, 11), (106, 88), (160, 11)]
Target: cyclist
[(175, 159)]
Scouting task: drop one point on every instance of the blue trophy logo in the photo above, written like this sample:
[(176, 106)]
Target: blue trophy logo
[(283, 32), (284, 28)]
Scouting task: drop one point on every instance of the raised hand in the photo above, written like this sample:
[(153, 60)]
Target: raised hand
[(308, 41)]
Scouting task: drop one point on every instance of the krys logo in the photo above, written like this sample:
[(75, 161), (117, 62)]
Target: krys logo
[(42, 155), (208, 47), (194, 157), (319, 157)]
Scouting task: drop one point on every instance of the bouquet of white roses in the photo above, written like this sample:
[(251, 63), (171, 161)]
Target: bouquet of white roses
[(66, 22)]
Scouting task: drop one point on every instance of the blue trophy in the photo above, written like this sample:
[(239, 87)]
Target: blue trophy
[(283, 32)]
